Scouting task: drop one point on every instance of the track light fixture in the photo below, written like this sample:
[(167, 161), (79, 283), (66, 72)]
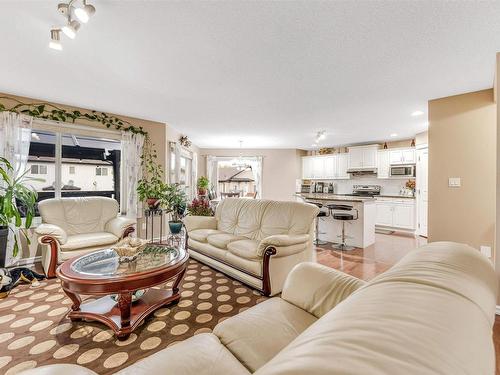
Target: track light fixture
[(70, 11), (55, 36), (320, 135), (84, 13)]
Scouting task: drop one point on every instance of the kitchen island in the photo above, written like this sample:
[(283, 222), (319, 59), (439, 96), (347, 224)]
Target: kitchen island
[(361, 230)]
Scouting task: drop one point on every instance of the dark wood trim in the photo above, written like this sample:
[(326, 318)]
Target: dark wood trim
[(266, 280), (52, 242), (129, 230)]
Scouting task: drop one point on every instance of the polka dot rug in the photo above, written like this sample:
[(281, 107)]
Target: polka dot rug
[(34, 330)]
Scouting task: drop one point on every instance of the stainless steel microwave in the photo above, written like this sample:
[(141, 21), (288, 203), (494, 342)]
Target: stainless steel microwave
[(403, 171)]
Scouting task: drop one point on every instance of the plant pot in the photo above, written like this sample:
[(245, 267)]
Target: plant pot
[(4, 232), (175, 226), (152, 202), (202, 191)]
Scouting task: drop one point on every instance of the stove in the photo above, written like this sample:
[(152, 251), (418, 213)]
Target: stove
[(365, 190)]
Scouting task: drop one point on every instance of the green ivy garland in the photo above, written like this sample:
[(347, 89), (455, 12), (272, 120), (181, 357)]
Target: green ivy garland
[(49, 111)]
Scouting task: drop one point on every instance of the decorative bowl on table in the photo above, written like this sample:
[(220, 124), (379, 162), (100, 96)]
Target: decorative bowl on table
[(129, 248)]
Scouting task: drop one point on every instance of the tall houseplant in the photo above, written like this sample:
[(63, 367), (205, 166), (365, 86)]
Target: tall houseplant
[(16, 198), (173, 200), (202, 185), (151, 186)]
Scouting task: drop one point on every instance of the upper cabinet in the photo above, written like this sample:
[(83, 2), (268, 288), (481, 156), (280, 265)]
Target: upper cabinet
[(325, 167), (402, 156), (363, 157), (383, 165)]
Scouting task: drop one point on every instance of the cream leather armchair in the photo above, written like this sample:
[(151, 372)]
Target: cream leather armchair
[(255, 241), (76, 226)]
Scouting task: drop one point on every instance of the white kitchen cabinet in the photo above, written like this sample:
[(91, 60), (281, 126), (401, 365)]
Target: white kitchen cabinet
[(402, 156), (318, 167), (330, 167), (363, 157), (396, 213), (384, 214), (342, 166), (383, 164), (307, 167)]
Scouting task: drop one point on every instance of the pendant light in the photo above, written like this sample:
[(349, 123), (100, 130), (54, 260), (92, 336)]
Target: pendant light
[(55, 37), (84, 13), (71, 28)]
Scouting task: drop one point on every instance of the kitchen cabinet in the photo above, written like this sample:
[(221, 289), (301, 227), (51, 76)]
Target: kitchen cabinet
[(383, 164), (402, 156), (325, 167), (396, 213), (363, 157)]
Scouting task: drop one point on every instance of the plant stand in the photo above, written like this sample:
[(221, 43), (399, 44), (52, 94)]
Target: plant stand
[(150, 214)]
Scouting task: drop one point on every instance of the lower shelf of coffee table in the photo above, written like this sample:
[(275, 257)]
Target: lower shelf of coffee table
[(107, 311)]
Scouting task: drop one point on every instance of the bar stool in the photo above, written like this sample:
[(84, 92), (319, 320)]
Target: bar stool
[(321, 213), (343, 216)]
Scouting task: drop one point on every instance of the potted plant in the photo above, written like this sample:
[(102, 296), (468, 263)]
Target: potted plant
[(16, 199), (150, 187), (173, 200), (202, 185), (200, 207)]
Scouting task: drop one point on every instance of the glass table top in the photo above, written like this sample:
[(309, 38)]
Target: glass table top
[(107, 263)]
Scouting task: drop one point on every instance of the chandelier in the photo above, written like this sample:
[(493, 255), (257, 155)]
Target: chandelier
[(240, 164), (75, 12)]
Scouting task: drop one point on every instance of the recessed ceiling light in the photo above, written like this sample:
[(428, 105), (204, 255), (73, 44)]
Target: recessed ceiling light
[(393, 135), (417, 113), (55, 42)]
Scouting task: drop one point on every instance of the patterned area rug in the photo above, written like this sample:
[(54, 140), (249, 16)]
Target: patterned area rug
[(34, 330)]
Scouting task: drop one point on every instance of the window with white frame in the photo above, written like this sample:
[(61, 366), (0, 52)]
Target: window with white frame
[(74, 165)]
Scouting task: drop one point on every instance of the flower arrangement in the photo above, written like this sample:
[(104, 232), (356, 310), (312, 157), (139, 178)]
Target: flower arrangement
[(410, 184), (200, 207)]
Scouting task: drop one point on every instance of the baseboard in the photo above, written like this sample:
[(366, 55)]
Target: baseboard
[(26, 261), (497, 310)]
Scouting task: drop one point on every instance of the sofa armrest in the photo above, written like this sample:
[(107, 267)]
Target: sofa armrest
[(317, 288), (200, 222), (119, 225), (51, 230), (284, 244)]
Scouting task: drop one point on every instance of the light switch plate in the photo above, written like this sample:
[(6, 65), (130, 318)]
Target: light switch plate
[(454, 182), (486, 251)]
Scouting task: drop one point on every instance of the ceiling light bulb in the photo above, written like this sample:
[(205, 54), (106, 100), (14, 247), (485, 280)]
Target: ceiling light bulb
[(71, 28), (84, 14), (55, 39), (417, 113), (393, 135)]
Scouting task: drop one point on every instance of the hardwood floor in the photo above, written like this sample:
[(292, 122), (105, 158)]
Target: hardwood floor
[(368, 263)]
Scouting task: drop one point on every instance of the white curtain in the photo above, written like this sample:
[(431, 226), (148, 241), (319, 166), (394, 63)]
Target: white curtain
[(15, 136), (132, 145), (256, 164), (213, 173), (194, 175)]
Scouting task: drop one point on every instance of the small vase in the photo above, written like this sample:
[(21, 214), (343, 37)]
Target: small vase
[(152, 202), (202, 192), (175, 226)]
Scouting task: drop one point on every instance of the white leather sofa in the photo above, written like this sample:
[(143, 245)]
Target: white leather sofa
[(76, 226), (432, 313), (255, 241)]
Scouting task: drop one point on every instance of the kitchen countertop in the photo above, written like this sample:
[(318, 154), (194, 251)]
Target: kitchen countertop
[(397, 196), (335, 197)]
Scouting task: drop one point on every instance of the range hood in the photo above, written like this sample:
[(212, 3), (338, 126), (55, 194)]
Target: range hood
[(362, 171)]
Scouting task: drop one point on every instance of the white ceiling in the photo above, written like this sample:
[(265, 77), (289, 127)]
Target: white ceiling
[(270, 73)]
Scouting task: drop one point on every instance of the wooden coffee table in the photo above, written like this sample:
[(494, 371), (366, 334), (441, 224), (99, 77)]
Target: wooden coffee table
[(101, 273)]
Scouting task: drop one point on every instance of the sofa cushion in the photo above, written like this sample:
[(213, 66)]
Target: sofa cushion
[(202, 354), (432, 313), (221, 240), (247, 249), (79, 241), (256, 335), (201, 235), (207, 249)]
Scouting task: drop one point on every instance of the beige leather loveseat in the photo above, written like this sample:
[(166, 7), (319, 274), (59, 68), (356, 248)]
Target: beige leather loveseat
[(432, 313), (75, 226), (255, 241)]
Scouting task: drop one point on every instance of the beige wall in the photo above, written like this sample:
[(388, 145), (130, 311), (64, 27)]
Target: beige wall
[(462, 143), (280, 170), (160, 133)]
